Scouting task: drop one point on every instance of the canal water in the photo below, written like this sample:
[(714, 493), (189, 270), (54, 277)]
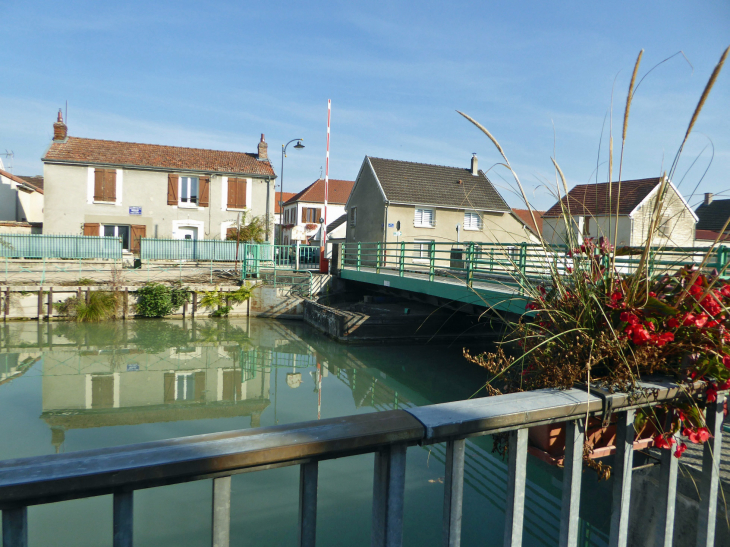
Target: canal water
[(66, 387)]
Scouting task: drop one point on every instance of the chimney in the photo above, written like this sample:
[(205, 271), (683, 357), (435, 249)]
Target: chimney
[(474, 164), (263, 149), (60, 131), (708, 198)]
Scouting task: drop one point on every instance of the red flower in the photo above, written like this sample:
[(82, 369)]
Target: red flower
[(711, 393), (662, 442), (531, 306), (725, 291), (704, 434), (726, 361), (652, 293), (691, 435), (672, 323), (640, 336), (616, 296), (711, 305), (681, 447), (695, 290), (628, 317)]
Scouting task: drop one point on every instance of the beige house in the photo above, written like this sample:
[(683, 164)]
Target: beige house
[(131, 190), (21, 204), (418, 203), (595, 210)]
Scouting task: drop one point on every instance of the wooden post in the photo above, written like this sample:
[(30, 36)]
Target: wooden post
[(49, 311), (195, 304), (6, 311), (125, 303), (40, 304), (88, 295), (185, 308)]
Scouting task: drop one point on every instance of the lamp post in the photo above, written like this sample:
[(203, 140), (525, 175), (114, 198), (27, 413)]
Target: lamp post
[(281, 188)]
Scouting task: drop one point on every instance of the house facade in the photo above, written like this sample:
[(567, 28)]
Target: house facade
[(306, 208), (419, 203), (598, 210), (713, 215), (130, 190), (21, 205)]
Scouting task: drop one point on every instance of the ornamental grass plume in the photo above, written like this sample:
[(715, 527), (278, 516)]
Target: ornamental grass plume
[(596, 320)]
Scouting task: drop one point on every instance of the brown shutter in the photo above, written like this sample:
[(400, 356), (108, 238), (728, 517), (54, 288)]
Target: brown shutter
[(110, 185), (138, 232), (242, 193), (98, 184), (204, 199), (91, 229), (172, 189), (169, 394), (200, 386), (304, 214), (319, 215), (232, 186), (230, 233)]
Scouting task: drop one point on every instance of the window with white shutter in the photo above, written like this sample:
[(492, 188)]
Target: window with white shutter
[(424, 218), (472, 221)]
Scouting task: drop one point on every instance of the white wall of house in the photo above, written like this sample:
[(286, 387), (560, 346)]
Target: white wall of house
[(70, 192), (19, 204), (293, 215)]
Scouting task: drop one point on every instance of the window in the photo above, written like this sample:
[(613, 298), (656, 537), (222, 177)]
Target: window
[(586, 227), (424, 218), (188, 190), (353, 216), (311, 215), (113, 230), (236, 193), (472, 221), (105, 185), (184, 386), (420, 250)]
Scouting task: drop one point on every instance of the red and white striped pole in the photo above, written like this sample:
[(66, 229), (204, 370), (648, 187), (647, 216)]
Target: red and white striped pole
[(323, 251)]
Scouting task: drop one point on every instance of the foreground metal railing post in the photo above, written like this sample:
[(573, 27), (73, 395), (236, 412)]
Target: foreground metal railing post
[(431, 259), (453, 492), (123, 518), (668, 500), (402, 265), (15, 527), (714, 414), (388, 493), (377, 259), (572, 472), (308, 474), (516, 481), (470, 264), (622, 474), (221, 529), (359, 255)]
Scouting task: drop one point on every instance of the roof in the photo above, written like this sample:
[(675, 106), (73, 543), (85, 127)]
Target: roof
[(525, 216), (594, 199), (425, 184), (22, 181), (713, 216), (36, 180), (336, 223), (282, 196), (709, 235), (337, 192), (94, 151)]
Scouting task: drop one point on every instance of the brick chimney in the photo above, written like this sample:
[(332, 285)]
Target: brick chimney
[(474, 165), (60, 131), (708, 198), (263, 149)]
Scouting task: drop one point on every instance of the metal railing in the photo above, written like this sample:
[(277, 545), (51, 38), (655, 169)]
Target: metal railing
[(473, 261), (122, 470), (60, 246)]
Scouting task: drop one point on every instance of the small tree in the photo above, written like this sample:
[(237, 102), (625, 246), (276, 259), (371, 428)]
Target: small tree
[(254, 231)]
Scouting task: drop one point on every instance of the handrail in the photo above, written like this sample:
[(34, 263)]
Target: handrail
[(121, 470)]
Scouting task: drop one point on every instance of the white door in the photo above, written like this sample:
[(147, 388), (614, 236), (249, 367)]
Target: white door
[(187, 232)]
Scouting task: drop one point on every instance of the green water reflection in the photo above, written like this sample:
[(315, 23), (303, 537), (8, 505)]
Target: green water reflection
[(66, 387)]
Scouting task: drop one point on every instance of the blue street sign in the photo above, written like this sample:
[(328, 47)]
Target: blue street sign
[(134, 210)]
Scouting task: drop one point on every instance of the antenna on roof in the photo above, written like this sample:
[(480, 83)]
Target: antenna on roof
[(66, 116), (8, 154)]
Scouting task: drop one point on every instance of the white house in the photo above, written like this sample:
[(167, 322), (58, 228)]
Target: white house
[(21, 204), (306, 208)]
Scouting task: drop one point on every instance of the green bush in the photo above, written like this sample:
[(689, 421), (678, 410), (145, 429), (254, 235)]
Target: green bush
[(216, 300), (102, 305), (158, 300)]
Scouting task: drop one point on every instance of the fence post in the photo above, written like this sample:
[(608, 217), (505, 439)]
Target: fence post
[(221, 527), (453, 492), (123, 519), (523, 259), (49, 311), (388, 493), (470, 264), (40, 303), (622, 479), (402, 265), (308, 473), (709, 483), (431, 260), (15, 527), (516, 482), (359, 255), (377, 259)]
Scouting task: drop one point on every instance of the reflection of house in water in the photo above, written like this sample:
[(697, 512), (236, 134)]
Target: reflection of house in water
[(125, 386), (14, 365)]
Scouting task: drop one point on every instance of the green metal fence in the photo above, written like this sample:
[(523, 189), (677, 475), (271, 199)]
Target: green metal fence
[(59, 246), (472, 261)]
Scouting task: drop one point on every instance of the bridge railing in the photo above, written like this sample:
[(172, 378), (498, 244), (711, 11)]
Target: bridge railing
[(69, 247), (123, 470), (510, 262)]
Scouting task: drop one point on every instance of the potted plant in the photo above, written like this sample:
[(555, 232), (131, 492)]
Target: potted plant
[(591, 322)]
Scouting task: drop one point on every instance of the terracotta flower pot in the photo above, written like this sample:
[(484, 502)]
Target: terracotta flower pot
[(547, 442)]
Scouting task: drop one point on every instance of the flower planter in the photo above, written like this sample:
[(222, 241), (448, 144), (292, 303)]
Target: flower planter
[(547, 442)]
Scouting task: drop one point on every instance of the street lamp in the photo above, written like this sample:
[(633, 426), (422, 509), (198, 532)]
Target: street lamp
[(281, 188)]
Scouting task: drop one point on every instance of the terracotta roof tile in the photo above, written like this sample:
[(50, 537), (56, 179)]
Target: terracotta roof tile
[(94, 151), (425, 184), (283, 196), (36, 180), (19, 180), (337, 192), (593, 199), (524, 216)]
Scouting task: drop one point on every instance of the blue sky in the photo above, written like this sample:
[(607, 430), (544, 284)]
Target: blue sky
[(539, 75)]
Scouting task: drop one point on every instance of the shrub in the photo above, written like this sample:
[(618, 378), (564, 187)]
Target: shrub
[(102, 306), (216, 300), (158, 300)]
